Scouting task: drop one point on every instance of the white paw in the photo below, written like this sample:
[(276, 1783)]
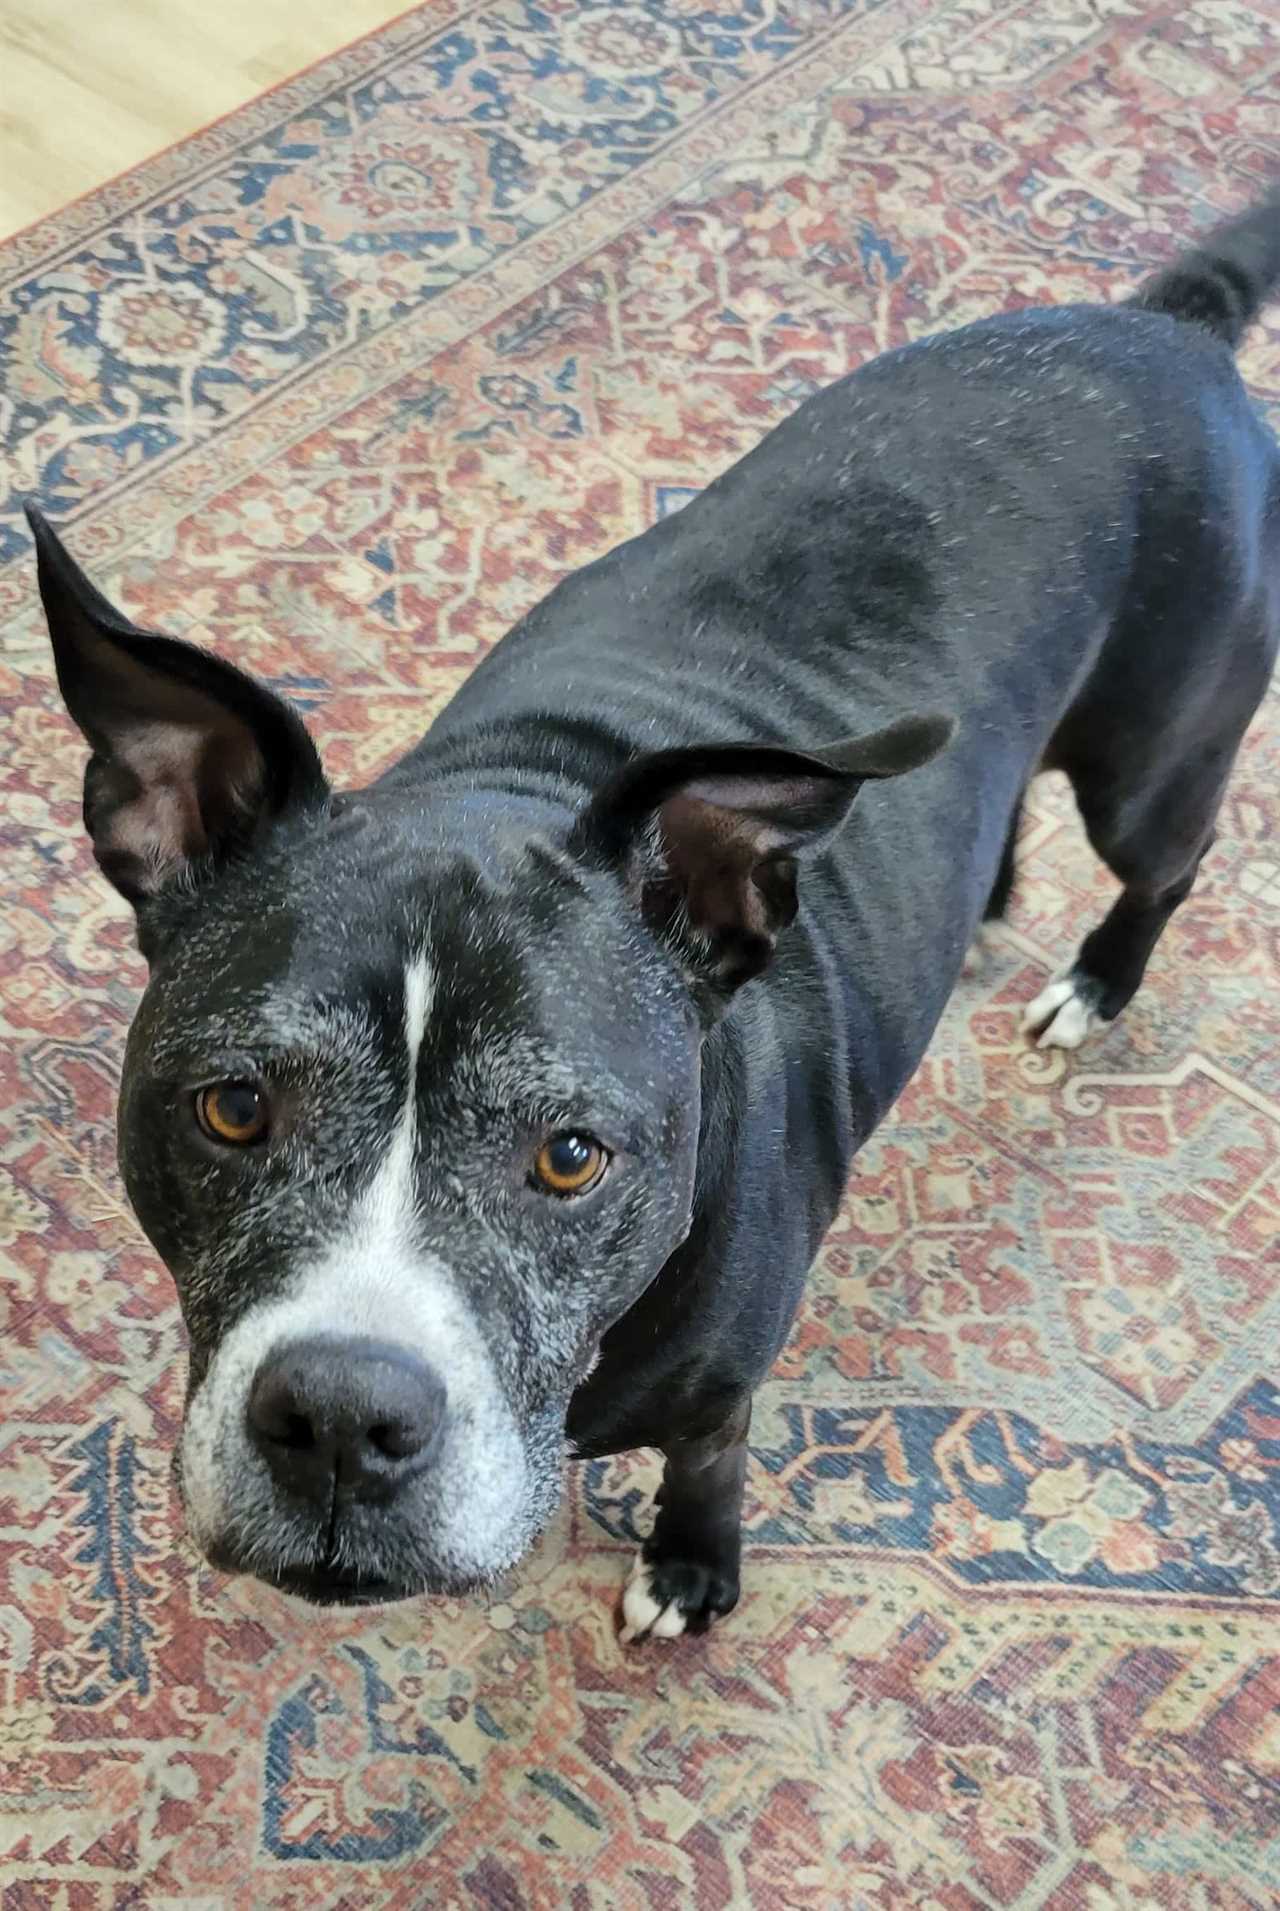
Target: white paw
[(642, 1616), (1060, 1016)]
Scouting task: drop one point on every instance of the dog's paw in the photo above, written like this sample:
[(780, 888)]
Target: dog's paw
[(1063, 1013), (666, 1597)]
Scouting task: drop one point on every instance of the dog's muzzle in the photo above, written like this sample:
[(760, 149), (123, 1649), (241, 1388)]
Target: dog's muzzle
[(343, 1424)]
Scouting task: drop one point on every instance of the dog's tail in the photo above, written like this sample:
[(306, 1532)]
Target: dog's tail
[(1225, 282)]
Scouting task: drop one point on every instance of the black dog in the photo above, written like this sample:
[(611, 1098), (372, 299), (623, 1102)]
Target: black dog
[(476, 1113)]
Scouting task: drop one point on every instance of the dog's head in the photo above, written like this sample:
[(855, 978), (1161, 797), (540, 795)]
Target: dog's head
[(411, 1106)]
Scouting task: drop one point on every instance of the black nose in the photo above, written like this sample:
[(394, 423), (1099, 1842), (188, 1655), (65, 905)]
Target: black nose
[(355, 1414)]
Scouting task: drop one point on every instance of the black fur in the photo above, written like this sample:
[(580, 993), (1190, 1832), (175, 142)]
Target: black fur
[(1224, 283)]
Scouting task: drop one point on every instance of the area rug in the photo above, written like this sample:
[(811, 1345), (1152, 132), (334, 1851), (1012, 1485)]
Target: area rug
[(341, 386)]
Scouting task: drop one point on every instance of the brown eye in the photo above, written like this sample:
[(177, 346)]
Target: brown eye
[(570, 1164), (234, 1113)]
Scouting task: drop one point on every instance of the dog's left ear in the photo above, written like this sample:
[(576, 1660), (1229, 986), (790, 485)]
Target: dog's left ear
[(190, 755), (708, 838)]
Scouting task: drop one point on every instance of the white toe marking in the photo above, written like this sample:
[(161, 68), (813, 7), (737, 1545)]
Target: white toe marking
[(643, 1617), (1046, 1004), (1061, 1017), (1069, 1026)]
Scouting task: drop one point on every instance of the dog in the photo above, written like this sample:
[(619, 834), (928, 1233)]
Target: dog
[(499, 1109)]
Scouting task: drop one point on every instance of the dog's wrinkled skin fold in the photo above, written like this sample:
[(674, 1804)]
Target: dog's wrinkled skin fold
[(630, 888)]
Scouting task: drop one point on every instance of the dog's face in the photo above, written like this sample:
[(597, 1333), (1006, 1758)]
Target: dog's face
[(437, 1106), (411, 1105)]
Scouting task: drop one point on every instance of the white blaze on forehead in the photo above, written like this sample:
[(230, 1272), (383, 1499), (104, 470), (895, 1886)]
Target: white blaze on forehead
[(419, 988), (375, 1279), (389, 1203)]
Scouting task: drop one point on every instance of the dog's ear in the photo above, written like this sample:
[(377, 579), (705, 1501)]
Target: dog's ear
[(190, 755), (708, 838)]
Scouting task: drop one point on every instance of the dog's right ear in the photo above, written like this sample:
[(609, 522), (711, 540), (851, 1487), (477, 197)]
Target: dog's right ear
[(191, 757), (708, 839)]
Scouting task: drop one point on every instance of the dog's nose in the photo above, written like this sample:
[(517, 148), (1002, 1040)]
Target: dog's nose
[(355, 1414)]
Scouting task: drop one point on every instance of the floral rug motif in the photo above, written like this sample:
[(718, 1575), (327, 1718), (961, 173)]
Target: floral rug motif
[(341, 386)]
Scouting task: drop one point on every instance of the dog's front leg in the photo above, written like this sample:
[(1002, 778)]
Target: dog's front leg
[(686, 1575)]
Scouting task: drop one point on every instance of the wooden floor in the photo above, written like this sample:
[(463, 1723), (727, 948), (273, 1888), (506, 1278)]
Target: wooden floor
[(90, 87)]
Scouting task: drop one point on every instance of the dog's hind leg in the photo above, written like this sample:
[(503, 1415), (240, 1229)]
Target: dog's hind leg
[(1153, 841), (1149, 749), (687, 1573)]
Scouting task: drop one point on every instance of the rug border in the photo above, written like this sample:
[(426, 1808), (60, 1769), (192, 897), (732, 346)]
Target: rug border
[(489, 293)]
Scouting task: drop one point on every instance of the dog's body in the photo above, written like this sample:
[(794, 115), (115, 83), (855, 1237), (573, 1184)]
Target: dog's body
[(1060, 528)]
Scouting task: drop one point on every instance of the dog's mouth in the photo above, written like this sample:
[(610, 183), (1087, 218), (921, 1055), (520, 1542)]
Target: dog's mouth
[(322, 1583), (324, 1586)]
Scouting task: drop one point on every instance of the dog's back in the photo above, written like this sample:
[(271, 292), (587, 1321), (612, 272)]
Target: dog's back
[(914, 530)]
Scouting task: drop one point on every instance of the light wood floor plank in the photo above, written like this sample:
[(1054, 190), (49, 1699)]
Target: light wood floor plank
[(90, 87)]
